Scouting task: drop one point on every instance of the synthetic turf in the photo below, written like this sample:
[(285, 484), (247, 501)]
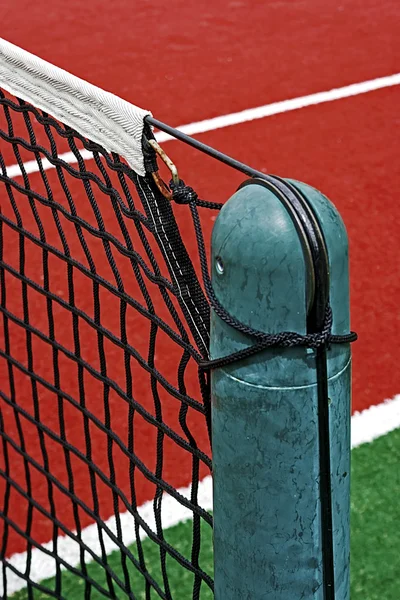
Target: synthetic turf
[(375, 519), (374, 542), (347, 148)]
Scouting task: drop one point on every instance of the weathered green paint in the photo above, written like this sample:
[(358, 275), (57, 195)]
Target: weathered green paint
[(267, 541)]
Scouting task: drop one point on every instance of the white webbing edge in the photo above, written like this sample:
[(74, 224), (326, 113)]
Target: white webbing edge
[(99, 116)]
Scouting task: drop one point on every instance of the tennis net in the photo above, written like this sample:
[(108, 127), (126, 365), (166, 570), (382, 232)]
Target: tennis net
[(105, 413)]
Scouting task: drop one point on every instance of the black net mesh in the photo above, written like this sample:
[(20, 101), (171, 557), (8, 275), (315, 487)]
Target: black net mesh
[(105, 416)]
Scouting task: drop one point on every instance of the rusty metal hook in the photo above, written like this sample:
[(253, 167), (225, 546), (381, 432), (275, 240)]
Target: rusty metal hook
[(162, 186)]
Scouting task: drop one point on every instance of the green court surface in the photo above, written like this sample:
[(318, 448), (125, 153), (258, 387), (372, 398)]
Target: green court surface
[(375, 540)]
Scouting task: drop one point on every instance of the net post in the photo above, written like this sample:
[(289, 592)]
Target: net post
[(267, 504)]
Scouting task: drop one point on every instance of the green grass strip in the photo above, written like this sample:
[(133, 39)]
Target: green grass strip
[(375, 518), (180, 579)]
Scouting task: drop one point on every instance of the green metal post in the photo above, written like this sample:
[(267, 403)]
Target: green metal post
[(267, 519)]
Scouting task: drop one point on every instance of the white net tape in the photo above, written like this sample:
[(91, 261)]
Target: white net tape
[(100, 116)]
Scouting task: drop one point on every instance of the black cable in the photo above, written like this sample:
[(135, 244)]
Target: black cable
[(220, 156)]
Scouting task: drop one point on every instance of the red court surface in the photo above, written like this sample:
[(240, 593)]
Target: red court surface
[(187, 62)]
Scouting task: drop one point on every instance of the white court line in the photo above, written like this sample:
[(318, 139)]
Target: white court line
[(276, 108), (31, 166), (250, 114), (375, 421), (366, 426)]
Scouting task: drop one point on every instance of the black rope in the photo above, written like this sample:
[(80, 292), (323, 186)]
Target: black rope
[(284, 340), (183, 194)]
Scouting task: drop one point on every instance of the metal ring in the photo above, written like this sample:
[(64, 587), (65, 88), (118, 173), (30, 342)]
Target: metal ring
[(166, 160)]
